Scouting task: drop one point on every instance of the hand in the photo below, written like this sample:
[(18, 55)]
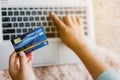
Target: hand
[(70, 30), (20, 66)]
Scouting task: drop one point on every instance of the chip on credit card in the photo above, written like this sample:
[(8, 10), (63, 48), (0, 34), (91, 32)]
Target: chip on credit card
[(30, 41)]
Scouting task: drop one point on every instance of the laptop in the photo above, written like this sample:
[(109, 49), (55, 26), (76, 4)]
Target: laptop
[(20, 16)]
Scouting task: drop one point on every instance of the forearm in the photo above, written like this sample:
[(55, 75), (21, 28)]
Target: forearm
[(72, 32), (92, 62)]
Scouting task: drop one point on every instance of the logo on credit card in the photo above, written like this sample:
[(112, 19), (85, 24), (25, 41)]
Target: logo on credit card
[(30, 41)]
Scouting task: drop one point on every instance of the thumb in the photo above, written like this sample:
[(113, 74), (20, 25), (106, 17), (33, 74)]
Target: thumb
[(22, 60)]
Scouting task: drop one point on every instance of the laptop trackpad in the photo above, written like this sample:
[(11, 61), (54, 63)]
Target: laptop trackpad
[(46, 55)]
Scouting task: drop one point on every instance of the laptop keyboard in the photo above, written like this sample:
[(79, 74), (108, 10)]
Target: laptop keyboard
[(18, 20)]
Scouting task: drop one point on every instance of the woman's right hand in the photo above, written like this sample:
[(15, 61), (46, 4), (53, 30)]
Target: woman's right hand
[(71, 31)]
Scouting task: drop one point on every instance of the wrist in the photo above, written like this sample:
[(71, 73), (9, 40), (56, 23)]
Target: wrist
[(78, 45)]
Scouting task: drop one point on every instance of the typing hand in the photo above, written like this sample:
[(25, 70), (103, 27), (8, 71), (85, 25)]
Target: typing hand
[(70, 30)]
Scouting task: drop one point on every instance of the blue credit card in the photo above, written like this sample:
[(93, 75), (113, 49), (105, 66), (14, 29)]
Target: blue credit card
[(30, 41)]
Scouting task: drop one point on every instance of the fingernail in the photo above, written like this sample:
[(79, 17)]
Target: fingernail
[(21, 53)]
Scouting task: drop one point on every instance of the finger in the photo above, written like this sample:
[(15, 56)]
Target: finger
[(78, 20), (12, 60), (74, 19), (17, 63), (29, 54), (22, 60), (60, 24), (30, 61), (30, 58), (68, 20)]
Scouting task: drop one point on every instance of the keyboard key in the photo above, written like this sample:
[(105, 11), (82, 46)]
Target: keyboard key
[(61, 12), (39, 23), (45, 12), (28, 13), (44, 24), (36, 8), (85, 23), (42, 18), (41, 8), (25, 8), (13, 19), (5, 19), (84, 17), (56, 12), (7, 25), (6, 37), (9, 31), (10, 13), (30, 29), (71, 12), (50, 35), (47, 29), (84, 12), (15, 24), (24, 30), (31, 19), (39, 12), (19, 19), (25, 18), (18, 30), (4, 13), (50, 24), (3, 8), (48, 18), (13, 36), (85, 27), (31, 8), (46, 7), (22, 13), (77, 12), (27, 24), (33, 24), (33, 12), (50, 12), (16, 13), (66, 12), (86, 33), (14, 8), (21, 24), (20, 8), (9, 8), (36, 18)]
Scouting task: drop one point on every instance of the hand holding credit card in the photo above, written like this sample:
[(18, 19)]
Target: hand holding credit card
[(30, 41)]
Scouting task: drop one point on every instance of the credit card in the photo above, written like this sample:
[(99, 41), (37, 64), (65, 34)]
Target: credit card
[(30, 41)]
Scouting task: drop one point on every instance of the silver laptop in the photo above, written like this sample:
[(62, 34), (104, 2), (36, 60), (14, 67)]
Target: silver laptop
[(20, 16)]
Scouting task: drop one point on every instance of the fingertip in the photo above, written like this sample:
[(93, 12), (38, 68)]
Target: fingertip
[(60, 24), (21, 53), (52, 13), (30, 54), (13, 55)]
